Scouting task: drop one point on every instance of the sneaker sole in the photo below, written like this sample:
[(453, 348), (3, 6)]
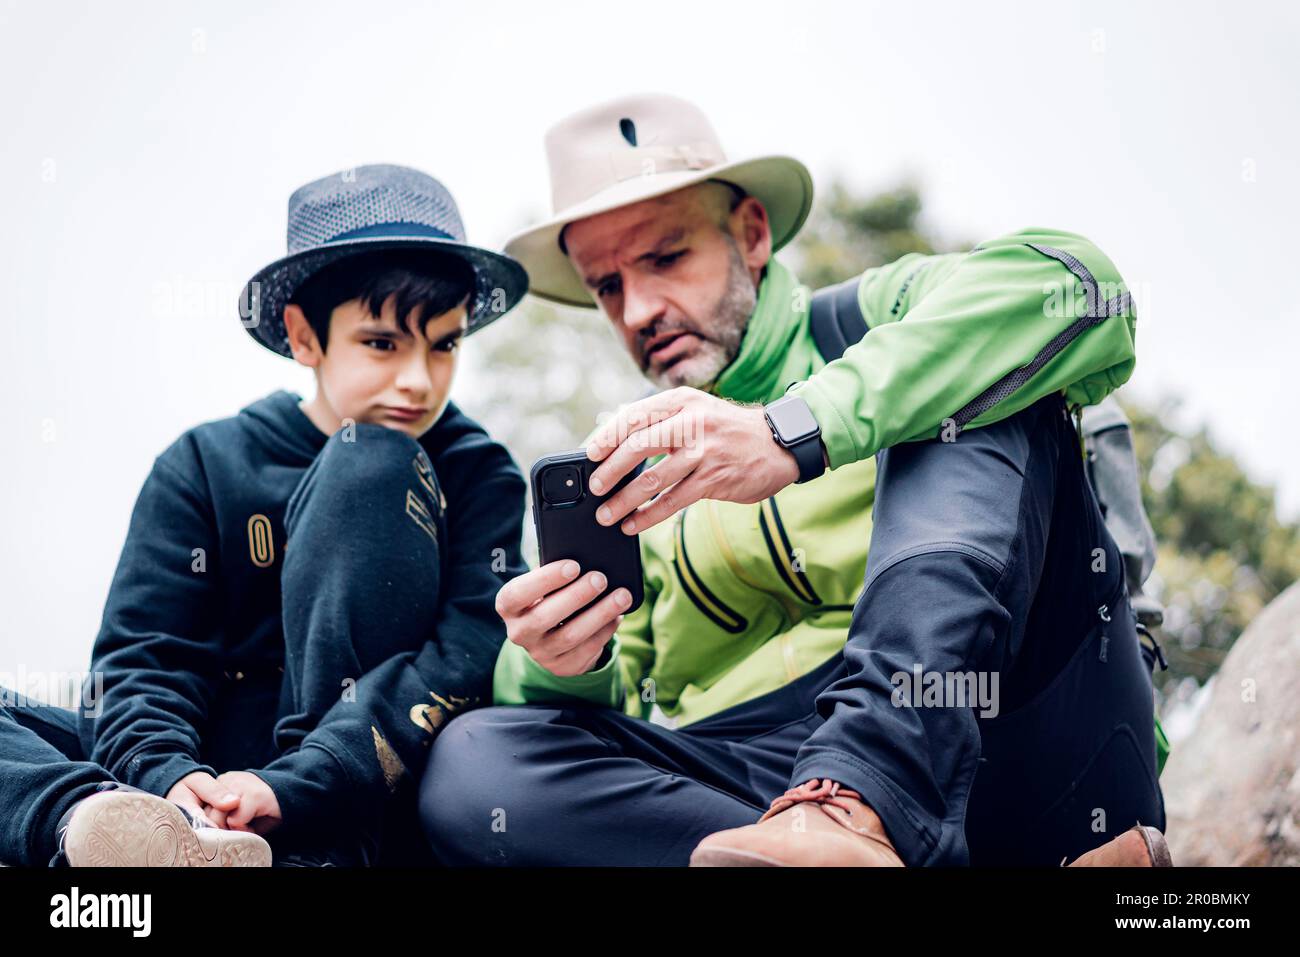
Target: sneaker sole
[(1157, 846), (731, 857), (120, 829)]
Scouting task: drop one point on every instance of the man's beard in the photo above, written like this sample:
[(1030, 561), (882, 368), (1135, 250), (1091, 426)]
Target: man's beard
[(725, 329)]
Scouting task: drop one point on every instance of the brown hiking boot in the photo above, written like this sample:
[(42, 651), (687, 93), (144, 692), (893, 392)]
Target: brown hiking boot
[(818, 824), (1139, 846)]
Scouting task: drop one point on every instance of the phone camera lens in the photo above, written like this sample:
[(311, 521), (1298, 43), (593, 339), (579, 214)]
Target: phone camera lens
[(562, 485)]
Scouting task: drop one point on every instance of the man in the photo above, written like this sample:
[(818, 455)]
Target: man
[(989, 563)]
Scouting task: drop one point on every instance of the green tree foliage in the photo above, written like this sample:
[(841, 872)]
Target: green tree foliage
[(1224, 552)]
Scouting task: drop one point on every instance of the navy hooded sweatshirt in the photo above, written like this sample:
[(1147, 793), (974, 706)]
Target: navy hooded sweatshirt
[(191, 647)]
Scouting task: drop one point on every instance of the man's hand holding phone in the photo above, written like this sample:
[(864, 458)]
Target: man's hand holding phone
[(539, 611)]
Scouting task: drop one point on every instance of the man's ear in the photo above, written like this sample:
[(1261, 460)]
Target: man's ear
[(753, 233), (302, 337)]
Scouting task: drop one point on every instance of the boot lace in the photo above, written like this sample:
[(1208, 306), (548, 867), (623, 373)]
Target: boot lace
[(821, 790)]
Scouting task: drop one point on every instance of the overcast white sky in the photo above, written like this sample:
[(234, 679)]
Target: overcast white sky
[(147, 151)]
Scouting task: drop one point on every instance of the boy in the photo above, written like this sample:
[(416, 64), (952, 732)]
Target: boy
[(306, 590)]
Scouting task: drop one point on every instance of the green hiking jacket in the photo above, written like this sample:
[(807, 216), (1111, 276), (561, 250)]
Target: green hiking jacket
[(742, 599)]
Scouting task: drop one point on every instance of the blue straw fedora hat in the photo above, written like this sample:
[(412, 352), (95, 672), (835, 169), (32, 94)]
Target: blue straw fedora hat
[(367, 209)]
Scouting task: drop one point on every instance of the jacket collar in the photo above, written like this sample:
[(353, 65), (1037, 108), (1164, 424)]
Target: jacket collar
[(779, 314)]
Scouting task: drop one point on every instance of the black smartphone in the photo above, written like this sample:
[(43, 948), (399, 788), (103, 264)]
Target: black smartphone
[(564, 516)]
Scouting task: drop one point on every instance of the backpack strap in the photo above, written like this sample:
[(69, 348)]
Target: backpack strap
[(835, 319)]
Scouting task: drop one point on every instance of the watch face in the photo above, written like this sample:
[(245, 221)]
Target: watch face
[(793, 420)]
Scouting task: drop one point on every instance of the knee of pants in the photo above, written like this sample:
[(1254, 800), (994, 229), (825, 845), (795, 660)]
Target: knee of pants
[(470, 773), (54, 725), (939, 608), (363, 463)]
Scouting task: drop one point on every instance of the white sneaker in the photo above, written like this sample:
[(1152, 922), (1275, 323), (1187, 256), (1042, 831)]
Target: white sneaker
[(132, 828)]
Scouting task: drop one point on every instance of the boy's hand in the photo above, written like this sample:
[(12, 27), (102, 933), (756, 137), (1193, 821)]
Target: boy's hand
[(258, 810), (537, 608), (204, 796)]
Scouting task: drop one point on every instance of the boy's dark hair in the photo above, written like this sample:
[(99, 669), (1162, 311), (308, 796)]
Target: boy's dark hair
[(427, 282)]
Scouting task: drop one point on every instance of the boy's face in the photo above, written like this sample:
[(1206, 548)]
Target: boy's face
[(374, 370)]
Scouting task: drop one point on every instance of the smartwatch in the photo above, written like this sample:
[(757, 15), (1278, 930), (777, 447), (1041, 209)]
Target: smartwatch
[(794, 428)]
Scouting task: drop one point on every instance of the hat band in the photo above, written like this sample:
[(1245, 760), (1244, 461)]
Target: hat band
[(393, 229), (643, 162), (652, 160)]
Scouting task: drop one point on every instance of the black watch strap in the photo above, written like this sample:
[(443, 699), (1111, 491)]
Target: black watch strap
[(808, 454), (806, 448)]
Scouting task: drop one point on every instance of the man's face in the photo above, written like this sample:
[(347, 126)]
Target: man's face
[(677, 277), (377, 371)]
